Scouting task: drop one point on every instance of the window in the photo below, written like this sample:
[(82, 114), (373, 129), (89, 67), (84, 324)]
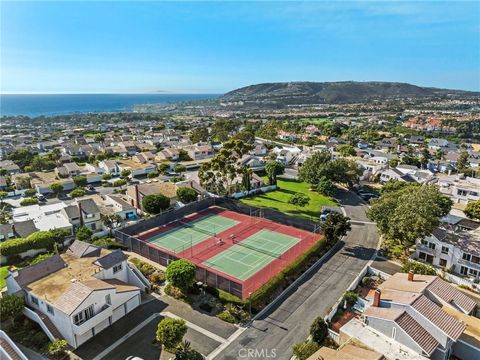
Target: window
[(431, 246), (93, 226), (464, 270), (424, 242), (83, 315), (108, 299), (422, 255), (34, 300), (50, 309), (117, 268), (472, 272), (443, 262), (466, 256), (475, 259), (444, 250)]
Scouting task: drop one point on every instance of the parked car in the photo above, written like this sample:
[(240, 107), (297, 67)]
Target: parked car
[(40, 197), (91, 188), (368, 196)]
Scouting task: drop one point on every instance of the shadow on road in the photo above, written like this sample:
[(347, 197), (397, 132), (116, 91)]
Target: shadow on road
[(359, 252)]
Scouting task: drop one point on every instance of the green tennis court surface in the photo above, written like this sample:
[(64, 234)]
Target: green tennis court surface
[(249, 256), (185, 235)]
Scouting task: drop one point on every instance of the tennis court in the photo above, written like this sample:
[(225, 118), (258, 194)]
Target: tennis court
[(252, 254), (186, 234)]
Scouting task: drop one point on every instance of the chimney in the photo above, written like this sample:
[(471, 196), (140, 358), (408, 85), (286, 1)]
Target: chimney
[(410, 275), (376, 298), (80, 213)]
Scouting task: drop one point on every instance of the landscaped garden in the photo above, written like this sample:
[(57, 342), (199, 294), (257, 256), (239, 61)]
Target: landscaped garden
[(279, 199)]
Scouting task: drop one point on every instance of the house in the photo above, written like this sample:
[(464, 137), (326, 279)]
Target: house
[(459, 188), (143, 157), (167, 154), (77, 294), (10, 167), (386, 144), (437, 144), (45, 217), (136, 168), (453, 249), (135, 193), (110, 167), (393, 174), (416, 140), (199, 152), (253, 162), (17, 229), (41, 181), (69, 169), (84, 212), (407, 169), (259, 149), (423, 313), (346, 352), (115, 204)]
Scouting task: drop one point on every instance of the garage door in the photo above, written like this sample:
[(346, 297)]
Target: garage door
[(133, 303), (118, 313), (101, 326)]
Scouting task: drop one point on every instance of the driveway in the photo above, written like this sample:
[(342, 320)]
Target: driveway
[(289, 322)]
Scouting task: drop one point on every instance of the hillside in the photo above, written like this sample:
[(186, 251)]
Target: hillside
[(297, 93)]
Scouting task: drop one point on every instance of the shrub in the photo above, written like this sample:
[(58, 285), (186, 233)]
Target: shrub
[(174, 292), (226, 316), (106, 177), (145, 268), (28, 201), (78, 192), (119, 182), (418, 268), (304, 350), (170, 332), (181, 274), (40, 258), (367, 281), (30, 192), (350, 297), (319, 330), (155, 203), (186, 195), (80, 180), (57, 347), (206, 307), (37, 240), (84, 234), (10, 306), (157, 277), (153, 174), (110, 244)]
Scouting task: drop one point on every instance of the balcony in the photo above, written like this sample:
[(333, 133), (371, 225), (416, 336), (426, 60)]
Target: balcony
[(469, 264), (426, 249), (105, 312)]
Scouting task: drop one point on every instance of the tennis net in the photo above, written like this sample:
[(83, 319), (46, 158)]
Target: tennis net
[(263, 251), (197, 228)]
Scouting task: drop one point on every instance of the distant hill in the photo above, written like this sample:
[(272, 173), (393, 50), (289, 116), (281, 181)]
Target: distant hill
[(295, 93)]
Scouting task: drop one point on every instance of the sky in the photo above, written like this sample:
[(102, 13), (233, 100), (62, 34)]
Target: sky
[(215, 47)]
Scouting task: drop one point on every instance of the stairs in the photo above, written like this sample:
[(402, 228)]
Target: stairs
[(49, 324), (9, 350)]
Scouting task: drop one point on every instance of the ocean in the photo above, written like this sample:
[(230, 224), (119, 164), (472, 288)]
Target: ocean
[(62, 104)]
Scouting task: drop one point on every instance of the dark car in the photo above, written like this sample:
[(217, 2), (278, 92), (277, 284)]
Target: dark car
[(368, 196)]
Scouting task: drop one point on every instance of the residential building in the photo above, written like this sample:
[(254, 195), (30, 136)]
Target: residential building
[(110, 167), (135, 193), (78, 294), (199, 152), (460, 189), (136, 168)]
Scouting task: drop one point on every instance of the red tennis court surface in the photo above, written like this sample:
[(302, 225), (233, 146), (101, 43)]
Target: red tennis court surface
[(233, 252)]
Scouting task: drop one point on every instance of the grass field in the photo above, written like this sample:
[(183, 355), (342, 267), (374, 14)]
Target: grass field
[(278, 199), (3, 275)]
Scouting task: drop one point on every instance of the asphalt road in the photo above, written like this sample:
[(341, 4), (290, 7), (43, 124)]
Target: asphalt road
[(289, 323)]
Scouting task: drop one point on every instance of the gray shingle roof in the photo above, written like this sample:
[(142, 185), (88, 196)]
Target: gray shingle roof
[(35, 272), (451, 295), (88, 206), (82, 249), (109, 260)]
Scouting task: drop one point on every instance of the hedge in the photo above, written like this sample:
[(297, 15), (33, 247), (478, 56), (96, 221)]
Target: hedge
[(273, 284), (37, 240)]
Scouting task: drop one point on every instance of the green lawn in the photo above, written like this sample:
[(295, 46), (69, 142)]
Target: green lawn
[(3, 275), (278, 199)]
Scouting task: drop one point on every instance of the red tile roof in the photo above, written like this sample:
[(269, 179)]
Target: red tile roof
[(451, 295)]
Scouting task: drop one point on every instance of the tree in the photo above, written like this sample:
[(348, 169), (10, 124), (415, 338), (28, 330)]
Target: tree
[(21, 157), (164, 168), (247, 174), (319, 330), (462, 162), (181, 274), (179, 168), (312, 170), (153, 174), (84, 234), (30, 192), (186, 194), (305, 349), (326, 187), (394, 185), (222, 128), (393, 163), (57, 347), (199, 134), (183, 155), (80, 181), (3, 195), (56, 188), (170, 332), (78, 192), (273, 169), (155, 203), (346, 150), (185, 352), (219, 174), (111, 221), (408, 214), (11, 306), (472, 210), (125, 173), (106, 177), (418, 268), (335, 226), (100, 138), (28, 201), (299, 200)]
